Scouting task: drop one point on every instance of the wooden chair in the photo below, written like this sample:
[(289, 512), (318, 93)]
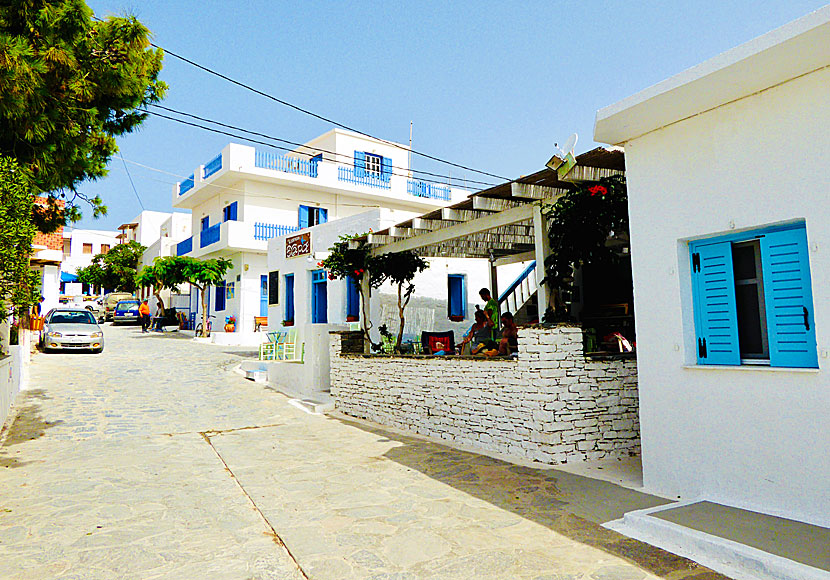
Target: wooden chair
[(271, 349), (260, 321), (289, 346)]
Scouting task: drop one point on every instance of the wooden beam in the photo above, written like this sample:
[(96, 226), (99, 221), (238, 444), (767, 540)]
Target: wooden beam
[(514, 258), (530, 191), (461, 215), (459, 230), (491, 203), (585, 173)]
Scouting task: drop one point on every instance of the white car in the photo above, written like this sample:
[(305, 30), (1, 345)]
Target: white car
[(72, 329)]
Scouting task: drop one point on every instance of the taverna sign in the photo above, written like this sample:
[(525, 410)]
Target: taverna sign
[(298, 245)]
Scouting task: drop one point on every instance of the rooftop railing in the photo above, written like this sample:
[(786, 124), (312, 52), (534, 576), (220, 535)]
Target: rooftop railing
[(266, 160), (186, 185), (370, 179), (212, 166), (184, 247), (264, 231), (429, 190), (209, 236)]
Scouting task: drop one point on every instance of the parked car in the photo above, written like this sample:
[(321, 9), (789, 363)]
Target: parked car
[(91, 303), (111, 300), (126, 311), (71, 329)]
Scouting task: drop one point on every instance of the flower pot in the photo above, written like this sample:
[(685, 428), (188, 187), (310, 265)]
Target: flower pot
[(351, 319), (230, 327), (456, 318), (288, 323)]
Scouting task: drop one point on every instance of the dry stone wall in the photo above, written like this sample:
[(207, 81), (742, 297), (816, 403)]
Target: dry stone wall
[(552, 405)]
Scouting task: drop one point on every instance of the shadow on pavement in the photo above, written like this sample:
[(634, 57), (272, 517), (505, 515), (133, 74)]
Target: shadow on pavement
[(27, 425), (569, 504)]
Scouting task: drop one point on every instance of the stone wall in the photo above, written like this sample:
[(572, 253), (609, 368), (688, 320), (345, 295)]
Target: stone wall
[(553, 405)]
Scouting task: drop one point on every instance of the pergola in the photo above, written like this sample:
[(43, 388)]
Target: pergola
[(503, 224)]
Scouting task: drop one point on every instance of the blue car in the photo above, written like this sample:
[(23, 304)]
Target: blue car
[(126, 311)]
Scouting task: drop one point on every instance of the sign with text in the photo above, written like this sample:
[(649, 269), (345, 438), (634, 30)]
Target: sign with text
[(298, 245)]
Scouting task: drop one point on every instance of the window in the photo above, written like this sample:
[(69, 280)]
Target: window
[(220, 296), (456, 297), (229, 212), (87, 248), (311, 216), (205, 222), (105, 248), (273, 287), (319, 297), (352, 298), (753, 299), (289, 297), (372, 165), (67, 246)]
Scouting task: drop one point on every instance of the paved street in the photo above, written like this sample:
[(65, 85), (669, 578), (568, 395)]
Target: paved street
[(155, 460)]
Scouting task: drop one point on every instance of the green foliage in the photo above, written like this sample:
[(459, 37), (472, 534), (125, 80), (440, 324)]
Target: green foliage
[(400, 269), (344, 261), (18, 283), (579, 226), (69, 86), (114, 270)]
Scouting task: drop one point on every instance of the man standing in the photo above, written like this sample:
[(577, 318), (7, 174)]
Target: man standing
[(491, 307), (144, 314)]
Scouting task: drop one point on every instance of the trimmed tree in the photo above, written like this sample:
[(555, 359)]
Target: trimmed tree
[(164, 274), (116, 269), (70, 85), (400, 269)]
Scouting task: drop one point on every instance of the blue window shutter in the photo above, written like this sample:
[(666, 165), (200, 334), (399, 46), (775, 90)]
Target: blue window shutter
[(289, 297), (322, 215), (220, 296), (455, 293), (232, 211), (463, 298), (205, 222), (386, 168), (788, 297), (713, 291), (359, 163), (302, 217), (352, 297)]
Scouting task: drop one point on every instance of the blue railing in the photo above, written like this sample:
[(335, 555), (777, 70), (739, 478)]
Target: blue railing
[(184, 247), (267, 160), (267, 231), (430, 190), (522, 277), (209, 236), (371, 179), (186, 185), (212, 166)]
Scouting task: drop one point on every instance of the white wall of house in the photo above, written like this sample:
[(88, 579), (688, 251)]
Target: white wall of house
[(149, 227), (750, 436), (83, 246), (177, 226)]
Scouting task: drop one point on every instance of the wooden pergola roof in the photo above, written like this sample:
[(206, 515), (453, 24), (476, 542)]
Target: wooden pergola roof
[(496, 222)]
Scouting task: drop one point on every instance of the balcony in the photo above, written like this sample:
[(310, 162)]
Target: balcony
[(186, 185), (348, 175), (209, 236), (428, 190), (267, 231), (212, 166), (266, 160), (184, 247)]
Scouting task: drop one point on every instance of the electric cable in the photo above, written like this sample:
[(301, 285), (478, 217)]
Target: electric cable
[(130, 177)]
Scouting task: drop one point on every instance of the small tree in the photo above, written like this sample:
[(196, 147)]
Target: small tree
[(400, 269), (165, 274), (116, 269)]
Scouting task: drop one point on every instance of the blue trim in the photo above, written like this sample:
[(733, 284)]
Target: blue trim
[(267, 231), (350, 175), (220, 296), (209, 236), (186, 185), (302, 217), (418, 188), (457, 295), (184, 247), (749, 234), (229, 212), (525, 273), (289, 296), (359, 164), (385, 168), (205, 223), (319, 297), (263, 294), (322, 215), (295, 165), (212, 166), (352, 297)]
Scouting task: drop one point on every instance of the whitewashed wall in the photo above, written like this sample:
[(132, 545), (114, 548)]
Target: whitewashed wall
[(747, 436), (552, 405), (9, 381)]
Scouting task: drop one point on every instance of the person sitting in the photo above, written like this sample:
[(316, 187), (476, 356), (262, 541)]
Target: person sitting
[(509, 342), (439, 349), (480, 332)]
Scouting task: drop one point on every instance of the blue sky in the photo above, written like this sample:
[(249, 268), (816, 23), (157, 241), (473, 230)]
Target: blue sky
[(490, 85)]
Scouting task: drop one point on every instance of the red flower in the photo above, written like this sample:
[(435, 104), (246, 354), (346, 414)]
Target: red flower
[(357, 272), (598, 190), (320, 264)]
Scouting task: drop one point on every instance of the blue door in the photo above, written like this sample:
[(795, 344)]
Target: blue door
[(319, 298), (289, 297), (263, 295)]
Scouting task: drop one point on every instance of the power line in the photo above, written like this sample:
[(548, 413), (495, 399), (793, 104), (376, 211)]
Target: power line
[(295, 144), (321, 117), (130, 177), (243, 137)]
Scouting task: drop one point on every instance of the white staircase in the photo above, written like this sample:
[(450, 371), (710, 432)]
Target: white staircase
[(520, 293)]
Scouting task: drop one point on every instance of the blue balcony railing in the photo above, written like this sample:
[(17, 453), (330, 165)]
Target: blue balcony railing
[(212, 166), (430, 190), (371, 179), (186, 185), (267, 231), (184, 247), (266, 160), (209, 236)]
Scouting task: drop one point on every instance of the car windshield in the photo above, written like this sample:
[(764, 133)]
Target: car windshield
[(72, 318), (127, 304)]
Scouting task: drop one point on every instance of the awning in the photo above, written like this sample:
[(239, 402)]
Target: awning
[(67, 277)]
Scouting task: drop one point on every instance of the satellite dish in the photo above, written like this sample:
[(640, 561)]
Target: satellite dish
[(570, 144), (563, 160)]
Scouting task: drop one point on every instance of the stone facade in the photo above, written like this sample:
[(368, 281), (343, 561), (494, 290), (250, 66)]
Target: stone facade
[(552, 405)]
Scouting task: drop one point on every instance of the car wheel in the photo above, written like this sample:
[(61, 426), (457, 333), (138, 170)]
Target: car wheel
[(97, 350)]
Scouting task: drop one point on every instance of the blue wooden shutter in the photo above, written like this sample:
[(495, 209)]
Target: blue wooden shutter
[(205, 222), (220, 296), (713, 291), (314, 161), (359, 163), (352, 297), (386, 168), (232, 211), (322, 215), (302, 217), (455, 295), (289, 297), (788, 297)]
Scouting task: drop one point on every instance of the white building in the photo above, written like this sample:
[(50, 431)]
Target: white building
[(727, 169), (79, 248), (246, 195)]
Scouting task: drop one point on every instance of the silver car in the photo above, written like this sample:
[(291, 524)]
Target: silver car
[(72, 329)]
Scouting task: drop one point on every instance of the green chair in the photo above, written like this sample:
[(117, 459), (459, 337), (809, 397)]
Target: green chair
[(289, 346), (269, 350)]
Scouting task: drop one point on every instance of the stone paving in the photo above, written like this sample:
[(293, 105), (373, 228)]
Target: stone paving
[(155, 460)]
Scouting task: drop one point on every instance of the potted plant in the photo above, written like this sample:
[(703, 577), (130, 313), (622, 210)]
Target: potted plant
[(230, 324), (288, 323), (456, 318), (352, 318)]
